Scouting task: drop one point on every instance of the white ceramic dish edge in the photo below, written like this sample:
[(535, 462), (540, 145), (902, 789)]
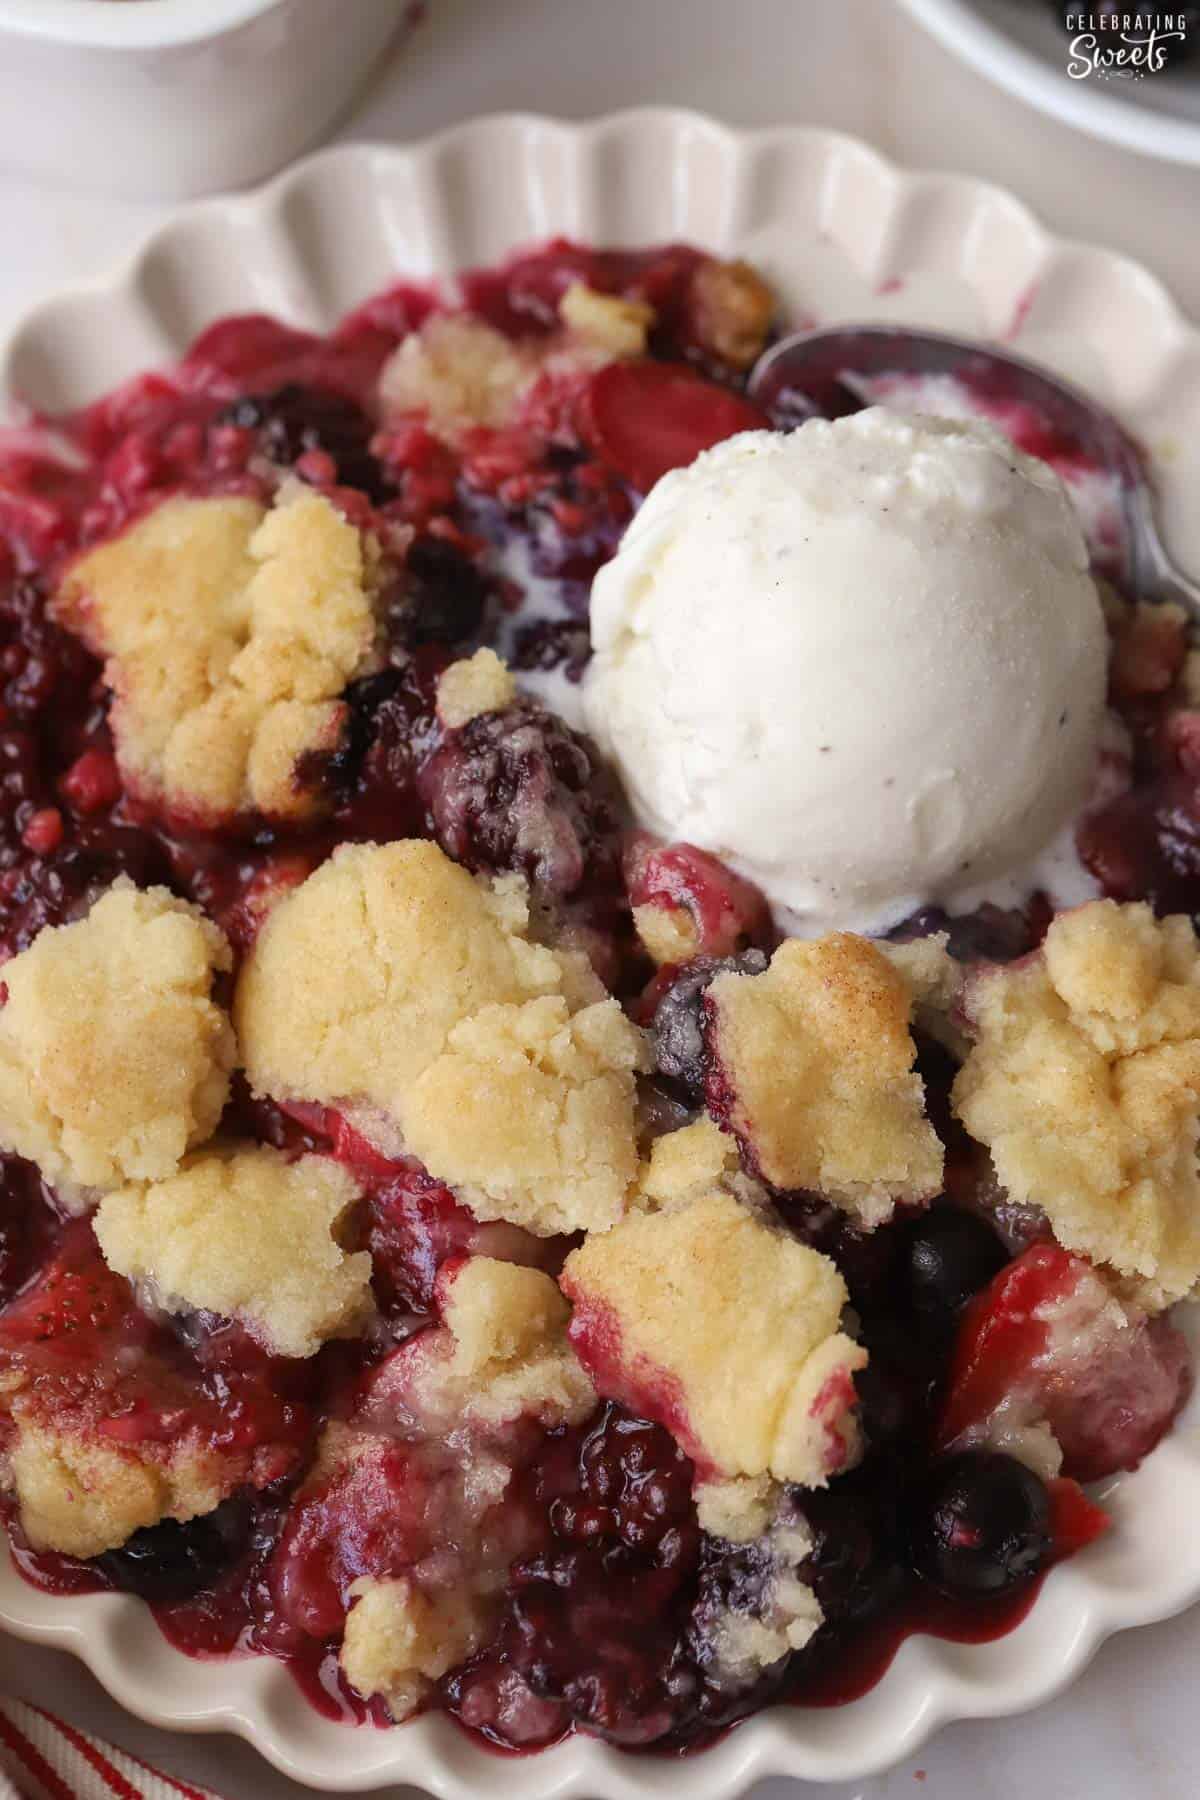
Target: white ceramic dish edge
[(146, 27), (844, 233), (167, 99), (1087, 105)]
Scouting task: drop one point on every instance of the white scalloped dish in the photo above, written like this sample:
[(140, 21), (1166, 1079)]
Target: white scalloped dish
[(841, 234)]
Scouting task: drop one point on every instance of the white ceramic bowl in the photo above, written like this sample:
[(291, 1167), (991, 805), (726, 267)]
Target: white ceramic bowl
[(845, 235), (1021, 47), (173, 98)]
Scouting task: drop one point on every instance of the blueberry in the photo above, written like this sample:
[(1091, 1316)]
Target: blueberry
[(989, 934), (980, 1525), (853, 1569), (678, 1025), (295, 419), (444, 593), (169, 1562), (946, 1256)]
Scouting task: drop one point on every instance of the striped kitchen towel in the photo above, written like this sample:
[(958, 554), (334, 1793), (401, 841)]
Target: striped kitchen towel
[(43, 1758)]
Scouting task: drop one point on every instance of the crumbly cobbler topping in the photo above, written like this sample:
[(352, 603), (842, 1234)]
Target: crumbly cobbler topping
[(529, 1114), (734, 309), (707, 1316), (610, 322), (687, 1163), (394, 985), (739, 1508), (469, 1389), (81, 1496), (458, 372), (935, 983), (476, 684), (114, 1058), (669, 933), (814, 1074), (745, 1641), (250, 1235), (503, 1352), (229, 634), (1084, 1082), (359, 975), (400, 1638)]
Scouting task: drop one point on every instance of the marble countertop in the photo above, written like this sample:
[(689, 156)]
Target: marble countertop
[(1128, 1727)]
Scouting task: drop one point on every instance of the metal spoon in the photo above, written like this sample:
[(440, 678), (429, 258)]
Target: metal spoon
[(812, 374)]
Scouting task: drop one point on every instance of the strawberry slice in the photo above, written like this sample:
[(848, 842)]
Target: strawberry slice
[(1048, 1345), (647, 417), (75, 1306)]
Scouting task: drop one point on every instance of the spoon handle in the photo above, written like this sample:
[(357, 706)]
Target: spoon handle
[(1155, 575)]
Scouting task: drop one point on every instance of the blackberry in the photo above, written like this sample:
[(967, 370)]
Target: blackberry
[(295, 419)]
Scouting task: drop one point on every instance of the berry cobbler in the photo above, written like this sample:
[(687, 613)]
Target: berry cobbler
[(600, 1009)]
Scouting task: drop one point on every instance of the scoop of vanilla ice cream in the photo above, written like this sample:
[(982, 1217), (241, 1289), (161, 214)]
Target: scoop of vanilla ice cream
[(864, 662)]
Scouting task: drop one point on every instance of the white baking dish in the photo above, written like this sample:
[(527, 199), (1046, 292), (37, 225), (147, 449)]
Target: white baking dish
[(166, 99)]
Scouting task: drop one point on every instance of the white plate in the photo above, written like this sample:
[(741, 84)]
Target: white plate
[(1020, 45), (844, 234)]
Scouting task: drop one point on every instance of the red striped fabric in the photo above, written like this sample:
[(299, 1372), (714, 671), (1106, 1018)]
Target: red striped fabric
[(28, 1764), (44, 1758)]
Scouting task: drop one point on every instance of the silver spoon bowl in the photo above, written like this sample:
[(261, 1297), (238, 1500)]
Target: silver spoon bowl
[(813, 374)]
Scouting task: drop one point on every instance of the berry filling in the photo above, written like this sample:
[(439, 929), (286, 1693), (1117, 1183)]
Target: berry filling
[(291, 1501)]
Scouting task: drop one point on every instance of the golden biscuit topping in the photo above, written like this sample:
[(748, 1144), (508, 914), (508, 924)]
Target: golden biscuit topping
[(935, 983), (477, 684), (459, 372), (784, 1613), (669, 933), (732, 309), (687, 1163), (461, 1392), (707, 1318), (615, 325), (1084, 1083), (83, 1496), (739, 1508), (250, 1235), (502, 1352), (816, 1063), (360, 974), (529, 1114), (395, 986), (114, 1058), (400, 1638), (229, 634)]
